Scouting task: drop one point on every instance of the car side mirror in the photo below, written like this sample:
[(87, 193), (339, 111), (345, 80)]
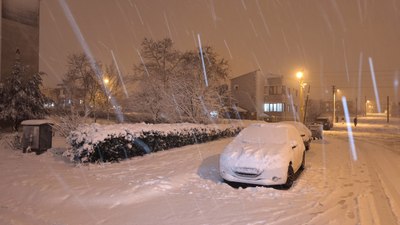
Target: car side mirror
[(293, 144)]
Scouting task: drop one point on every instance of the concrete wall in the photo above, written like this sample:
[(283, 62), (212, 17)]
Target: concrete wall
[(244, 91), (19, 30)]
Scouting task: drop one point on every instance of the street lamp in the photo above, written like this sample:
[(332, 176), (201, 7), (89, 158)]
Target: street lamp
[(367, 102), (106, 81), (300, 76), (334, 91)]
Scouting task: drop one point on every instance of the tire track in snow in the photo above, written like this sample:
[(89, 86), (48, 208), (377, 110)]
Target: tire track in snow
[(382, 195), (384, 173), (343, 180)]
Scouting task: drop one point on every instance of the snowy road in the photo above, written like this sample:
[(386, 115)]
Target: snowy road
[(183, 186)]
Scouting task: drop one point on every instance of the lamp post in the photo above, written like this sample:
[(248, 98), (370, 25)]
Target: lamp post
[(300, 76), (106, 81), (334, 102)]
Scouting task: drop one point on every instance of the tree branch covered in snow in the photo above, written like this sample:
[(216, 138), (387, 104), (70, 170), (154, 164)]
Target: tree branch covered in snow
[(172, 84), (21, 97)]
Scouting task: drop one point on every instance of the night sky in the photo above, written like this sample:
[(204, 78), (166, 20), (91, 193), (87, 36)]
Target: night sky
[(330, 40)]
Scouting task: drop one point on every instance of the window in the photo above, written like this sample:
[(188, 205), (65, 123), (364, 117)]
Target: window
[(271, 90), (275, 90), (274, 107), (283, 90)]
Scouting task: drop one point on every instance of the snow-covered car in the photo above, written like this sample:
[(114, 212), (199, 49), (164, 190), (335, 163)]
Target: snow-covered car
[(305, 133), (264, 154), (326, 122)]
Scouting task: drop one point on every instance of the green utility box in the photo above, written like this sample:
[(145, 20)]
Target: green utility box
[(37, 135)]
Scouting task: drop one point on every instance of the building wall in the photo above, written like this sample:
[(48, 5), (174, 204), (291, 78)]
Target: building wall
[(252, 90), (19, 31), (244, 91), (260, 84)]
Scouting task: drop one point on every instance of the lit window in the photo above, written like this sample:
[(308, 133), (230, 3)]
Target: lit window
[(273, 107)]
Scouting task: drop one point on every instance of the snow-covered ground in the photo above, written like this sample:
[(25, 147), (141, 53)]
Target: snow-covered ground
[(183, 185)]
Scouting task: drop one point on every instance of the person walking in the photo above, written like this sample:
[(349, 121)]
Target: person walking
[(355, 121)]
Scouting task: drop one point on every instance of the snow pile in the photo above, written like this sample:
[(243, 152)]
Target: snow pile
[(109, 143)]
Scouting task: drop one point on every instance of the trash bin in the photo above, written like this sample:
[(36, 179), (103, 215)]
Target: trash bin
[(37, 135), (316, 130)]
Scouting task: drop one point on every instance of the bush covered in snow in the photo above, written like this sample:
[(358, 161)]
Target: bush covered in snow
[(111, 143)]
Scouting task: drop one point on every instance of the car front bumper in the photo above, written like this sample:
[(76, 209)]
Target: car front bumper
[(275, 176)]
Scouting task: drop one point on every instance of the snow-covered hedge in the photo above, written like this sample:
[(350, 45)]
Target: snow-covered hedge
[(111, 143)]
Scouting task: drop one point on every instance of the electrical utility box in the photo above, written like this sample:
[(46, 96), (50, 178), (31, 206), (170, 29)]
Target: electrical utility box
[(37, 135)]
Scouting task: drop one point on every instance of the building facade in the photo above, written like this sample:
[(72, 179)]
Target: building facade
[(19, 35), (268, 97), (247, 93)]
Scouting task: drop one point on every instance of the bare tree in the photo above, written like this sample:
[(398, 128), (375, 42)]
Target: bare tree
[(159, 62), (200, 91), (84, 83), (173, 85)]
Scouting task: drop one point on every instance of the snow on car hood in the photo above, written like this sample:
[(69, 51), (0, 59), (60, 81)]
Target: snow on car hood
[(241, 154)]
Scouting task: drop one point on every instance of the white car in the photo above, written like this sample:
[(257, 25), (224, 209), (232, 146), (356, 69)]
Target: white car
[(264, 154), (305, 133)]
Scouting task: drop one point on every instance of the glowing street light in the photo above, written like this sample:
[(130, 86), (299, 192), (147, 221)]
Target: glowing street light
[(367, 106), (299, 75), (106, 80)]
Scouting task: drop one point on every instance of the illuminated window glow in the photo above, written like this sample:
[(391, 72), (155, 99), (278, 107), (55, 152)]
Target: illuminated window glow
[(273, 107)]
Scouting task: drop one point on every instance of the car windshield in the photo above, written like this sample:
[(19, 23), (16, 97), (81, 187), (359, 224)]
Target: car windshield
[(264, 135)]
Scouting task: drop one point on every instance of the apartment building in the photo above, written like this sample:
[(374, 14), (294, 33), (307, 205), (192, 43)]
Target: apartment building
[(19, 34), (268, 97)]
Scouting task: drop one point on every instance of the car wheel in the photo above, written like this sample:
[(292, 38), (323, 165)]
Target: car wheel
[(303, 163), (290, 178)]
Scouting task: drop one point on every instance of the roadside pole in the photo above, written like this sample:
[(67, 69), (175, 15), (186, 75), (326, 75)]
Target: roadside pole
[(387, 110)]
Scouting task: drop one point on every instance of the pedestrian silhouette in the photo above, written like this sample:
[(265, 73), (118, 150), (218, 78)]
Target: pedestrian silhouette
[(355, 121)]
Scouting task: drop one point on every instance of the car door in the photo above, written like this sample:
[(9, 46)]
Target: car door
[(298, 149)]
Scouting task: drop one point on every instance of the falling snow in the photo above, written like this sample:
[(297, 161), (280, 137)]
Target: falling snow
[(350, 177)]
